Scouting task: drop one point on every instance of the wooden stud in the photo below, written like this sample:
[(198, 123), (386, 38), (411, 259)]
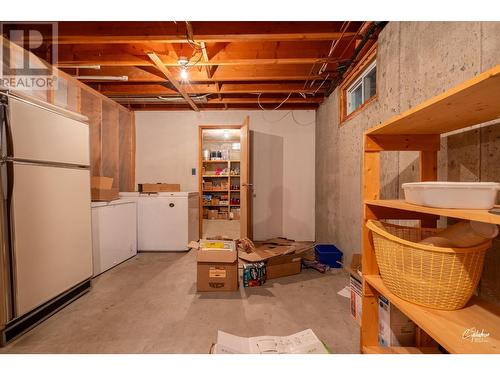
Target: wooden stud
[(428, 172), (159, 64), (402, 142)]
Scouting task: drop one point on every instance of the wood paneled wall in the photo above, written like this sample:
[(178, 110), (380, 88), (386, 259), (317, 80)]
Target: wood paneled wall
[(111, 126)]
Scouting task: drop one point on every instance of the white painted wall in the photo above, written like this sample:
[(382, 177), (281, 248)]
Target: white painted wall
[(167, 149)]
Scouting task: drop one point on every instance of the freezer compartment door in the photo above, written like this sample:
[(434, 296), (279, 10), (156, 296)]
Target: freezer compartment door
[(41, 134), (162, 223), (52, 241)]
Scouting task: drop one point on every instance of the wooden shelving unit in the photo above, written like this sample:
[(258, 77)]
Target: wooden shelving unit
[(418, 129)]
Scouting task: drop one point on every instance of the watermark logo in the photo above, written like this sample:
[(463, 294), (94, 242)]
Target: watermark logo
[(475, 335), (24, 46)]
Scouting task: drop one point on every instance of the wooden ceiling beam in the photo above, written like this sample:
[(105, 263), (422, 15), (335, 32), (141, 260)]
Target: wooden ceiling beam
[(213, 38), (154, 101), (116, 89), (218, 51), (129, 60), (162, 68), (218, 106)]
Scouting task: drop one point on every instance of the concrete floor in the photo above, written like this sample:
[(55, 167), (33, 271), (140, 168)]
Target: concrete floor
[(149, 304)]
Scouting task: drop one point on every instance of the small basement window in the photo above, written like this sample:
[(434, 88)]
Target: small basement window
[(362, 89)]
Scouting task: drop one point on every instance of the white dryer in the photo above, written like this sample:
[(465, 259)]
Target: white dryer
[(166, 221)]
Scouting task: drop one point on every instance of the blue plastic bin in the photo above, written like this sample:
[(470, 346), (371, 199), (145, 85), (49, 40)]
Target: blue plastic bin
[(329, 254)]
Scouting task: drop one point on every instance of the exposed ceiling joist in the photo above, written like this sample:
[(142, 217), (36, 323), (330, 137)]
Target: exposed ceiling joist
[(116, 89), (230, 61), (126, 39), (156, 60), (129, 60)]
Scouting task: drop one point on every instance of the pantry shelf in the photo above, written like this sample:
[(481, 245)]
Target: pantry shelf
[(418, 129), (473, 102), (476, 215), (451, 328)]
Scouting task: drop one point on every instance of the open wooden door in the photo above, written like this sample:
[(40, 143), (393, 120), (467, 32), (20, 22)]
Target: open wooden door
[(246, 186)]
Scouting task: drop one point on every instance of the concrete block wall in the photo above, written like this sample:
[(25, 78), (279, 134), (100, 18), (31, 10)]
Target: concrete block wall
[(415, 61)]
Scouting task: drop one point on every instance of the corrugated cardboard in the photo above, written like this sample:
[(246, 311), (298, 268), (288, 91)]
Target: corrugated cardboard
[(395, 328), (101, 182), (356, 293), (285, 265), (159, 188), (104, 195), (268, 250), (217, 267)]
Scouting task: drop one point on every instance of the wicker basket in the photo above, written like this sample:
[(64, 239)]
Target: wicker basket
[(436, 277)]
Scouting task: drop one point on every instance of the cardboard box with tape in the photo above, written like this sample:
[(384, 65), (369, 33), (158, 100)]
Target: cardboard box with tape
[(217, 266)]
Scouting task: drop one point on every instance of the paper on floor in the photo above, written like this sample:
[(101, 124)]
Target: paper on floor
[(305, 342), (346, 292)]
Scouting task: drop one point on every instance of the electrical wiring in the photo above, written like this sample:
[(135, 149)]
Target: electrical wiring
[(322, 83), (300, 123), (273, 109)]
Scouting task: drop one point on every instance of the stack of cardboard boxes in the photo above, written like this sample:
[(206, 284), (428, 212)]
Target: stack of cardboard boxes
[(218, 262)]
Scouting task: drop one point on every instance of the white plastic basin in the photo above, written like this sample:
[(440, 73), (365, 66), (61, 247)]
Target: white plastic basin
[(465, 195)]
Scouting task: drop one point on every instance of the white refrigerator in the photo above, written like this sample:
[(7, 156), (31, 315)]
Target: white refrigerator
[(46, 250)]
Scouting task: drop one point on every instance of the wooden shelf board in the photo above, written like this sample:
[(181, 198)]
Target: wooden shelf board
[(472, 102), (477, 215), (234, 161), (235, 175), (399, 350), (216, 161), (215, 205), (215, 176), (234, 205), (235, 191), (448, 327), (215, 191)]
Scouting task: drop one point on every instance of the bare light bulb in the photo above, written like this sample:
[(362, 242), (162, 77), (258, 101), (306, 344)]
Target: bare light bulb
[(184, 74)]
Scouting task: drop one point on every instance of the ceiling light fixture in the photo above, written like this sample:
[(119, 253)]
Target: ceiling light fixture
[(184, 74), (183, 62)]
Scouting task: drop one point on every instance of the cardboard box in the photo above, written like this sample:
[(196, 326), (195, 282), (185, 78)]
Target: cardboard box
[(213, 214), (159, 188), (394, 328), (356, 294), (282, 266), (104, 195), (223, 215), (217, 266), (101, 182)]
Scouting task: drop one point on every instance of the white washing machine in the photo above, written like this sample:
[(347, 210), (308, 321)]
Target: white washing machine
[(166, 221)]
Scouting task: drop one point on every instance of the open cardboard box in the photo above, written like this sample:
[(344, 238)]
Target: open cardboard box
[(217, 266), (282, 256)]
